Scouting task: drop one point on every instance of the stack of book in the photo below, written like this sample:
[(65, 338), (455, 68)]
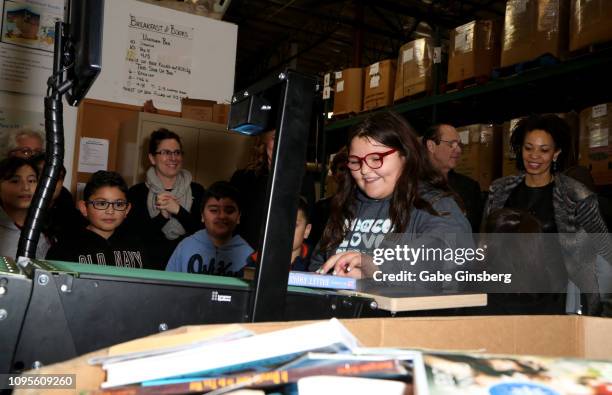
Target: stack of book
[(324, 357)]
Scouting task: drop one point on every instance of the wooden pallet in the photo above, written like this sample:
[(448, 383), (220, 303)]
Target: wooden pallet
[(463, 84), (545, 60)]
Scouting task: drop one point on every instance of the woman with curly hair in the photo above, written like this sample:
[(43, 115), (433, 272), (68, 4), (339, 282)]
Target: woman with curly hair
[(560, 203)]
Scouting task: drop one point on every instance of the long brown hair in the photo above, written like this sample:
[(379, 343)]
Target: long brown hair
[(393, 131)]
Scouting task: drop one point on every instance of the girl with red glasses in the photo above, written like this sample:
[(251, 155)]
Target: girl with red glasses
[(390, 187)]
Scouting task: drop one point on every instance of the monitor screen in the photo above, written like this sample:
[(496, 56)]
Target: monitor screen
[(86, 22)]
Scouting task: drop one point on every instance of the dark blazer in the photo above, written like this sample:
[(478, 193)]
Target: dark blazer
[(468, 190)]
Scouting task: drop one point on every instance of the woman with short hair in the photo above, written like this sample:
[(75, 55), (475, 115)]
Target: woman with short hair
[(167, 206)]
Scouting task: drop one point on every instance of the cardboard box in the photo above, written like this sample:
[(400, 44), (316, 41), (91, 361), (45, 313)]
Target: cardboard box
[(481, 153), (474, 50), (557, 336), (379, 84), (348, 95), (590, 23), (595, 142), (220, 113), (201, 110), (533, 28), (414, 69)]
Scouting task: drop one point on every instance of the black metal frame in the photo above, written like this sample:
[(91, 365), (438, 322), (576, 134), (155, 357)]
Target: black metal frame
[(292, 111)]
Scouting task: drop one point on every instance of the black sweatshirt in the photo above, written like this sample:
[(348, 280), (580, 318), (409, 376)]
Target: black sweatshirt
[(149, 229), (121, 249)]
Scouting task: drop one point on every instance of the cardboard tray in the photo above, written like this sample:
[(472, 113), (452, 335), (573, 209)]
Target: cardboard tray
[(565, 336)]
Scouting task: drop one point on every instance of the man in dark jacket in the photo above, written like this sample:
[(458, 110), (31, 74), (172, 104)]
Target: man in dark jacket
[(443, 145)]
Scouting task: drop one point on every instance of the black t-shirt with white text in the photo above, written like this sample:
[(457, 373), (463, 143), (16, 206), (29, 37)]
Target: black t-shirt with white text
[(88, 247)]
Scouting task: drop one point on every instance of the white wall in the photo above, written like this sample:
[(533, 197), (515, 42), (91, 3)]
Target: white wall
[(214, 55)]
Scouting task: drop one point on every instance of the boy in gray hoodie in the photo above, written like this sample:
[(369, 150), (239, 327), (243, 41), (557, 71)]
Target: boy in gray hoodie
[(214, 250)]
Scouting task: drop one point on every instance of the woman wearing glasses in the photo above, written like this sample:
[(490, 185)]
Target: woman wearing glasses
[(166, 207), (18, 180), (391, 187)]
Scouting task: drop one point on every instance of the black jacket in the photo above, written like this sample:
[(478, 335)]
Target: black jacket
[(150, 229), (121, 249), (469, 192), (63, 219)]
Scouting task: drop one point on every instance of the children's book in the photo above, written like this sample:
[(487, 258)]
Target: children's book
[(314, 280)]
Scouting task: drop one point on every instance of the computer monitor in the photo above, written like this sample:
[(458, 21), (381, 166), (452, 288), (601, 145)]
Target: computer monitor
[(86, 21)]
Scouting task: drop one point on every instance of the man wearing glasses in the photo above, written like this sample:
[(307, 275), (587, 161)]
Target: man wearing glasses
[(443, 146), (24, 143), (103, 242)]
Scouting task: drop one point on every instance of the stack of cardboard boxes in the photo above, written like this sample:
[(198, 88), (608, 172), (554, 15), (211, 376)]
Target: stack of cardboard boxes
[(474, 50), (414, 65), (590, 23), (533, 28), (479, 160), (348, 92), (595, 142), (205, 110), (379, 82)]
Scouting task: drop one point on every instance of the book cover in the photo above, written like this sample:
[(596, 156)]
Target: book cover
[(313, 280), (482, 374)]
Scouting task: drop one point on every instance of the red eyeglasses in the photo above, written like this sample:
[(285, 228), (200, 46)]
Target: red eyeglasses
[(374, 160)]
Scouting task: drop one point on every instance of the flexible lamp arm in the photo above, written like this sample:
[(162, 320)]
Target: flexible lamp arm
[(57, 86)]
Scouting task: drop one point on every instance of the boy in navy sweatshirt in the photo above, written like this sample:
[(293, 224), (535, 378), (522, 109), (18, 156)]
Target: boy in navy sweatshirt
[(214, 250), (102, 242)]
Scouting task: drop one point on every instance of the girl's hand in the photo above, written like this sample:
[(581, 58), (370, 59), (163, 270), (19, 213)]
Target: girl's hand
[(349, 264)]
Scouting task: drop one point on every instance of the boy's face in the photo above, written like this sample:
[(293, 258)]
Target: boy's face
[(16, 193), (112, 216), (220, 216), (302, 230)]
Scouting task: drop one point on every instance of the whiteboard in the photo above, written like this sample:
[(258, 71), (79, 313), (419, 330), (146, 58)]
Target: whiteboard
[(211, 49)]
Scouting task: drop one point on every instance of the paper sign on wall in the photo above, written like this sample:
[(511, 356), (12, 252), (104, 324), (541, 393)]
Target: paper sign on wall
[(158, 60), (26, 44), (93, 155)]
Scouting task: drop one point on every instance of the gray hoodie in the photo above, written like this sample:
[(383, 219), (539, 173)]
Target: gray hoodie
[(9, 238), (372, 229)]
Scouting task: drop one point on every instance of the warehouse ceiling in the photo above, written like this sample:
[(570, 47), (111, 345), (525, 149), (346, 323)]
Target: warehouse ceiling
[(315, 36)]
